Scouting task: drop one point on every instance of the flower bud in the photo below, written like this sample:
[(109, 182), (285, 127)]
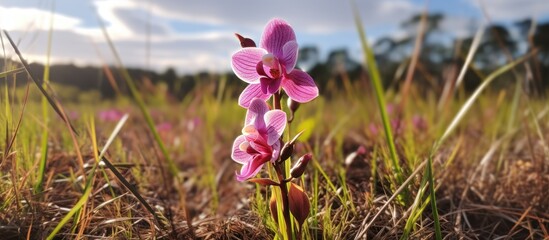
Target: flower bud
[(293, 105), (288, 148), (299, 168), (245, 42), (286, 151), (299, 203)]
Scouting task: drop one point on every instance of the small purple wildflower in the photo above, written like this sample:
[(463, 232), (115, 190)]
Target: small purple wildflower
[(373, 129), (110, 115), (260, 139), (271, 66), (73, 115), (164, 127), (419, 122), (194, 123), (390, 108)]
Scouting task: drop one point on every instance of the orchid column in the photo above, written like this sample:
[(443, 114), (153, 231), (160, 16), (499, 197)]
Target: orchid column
[(270, 71)]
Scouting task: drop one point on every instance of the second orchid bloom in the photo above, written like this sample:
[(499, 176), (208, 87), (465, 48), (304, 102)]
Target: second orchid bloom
[(260, 139)]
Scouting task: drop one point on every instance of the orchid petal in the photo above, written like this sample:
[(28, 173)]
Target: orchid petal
[(244, 63), (251, 168), (256, 111), (245, 42), (289, 55), (250, 92), (276, 122), (300, 86), (277, 33), (269, 85), (260, 69), (237, 154)]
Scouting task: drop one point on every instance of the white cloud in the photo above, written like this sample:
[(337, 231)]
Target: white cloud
[(459, 26), (115, 24), (512, 9), (184, 54), (314, 16), (24, 19)]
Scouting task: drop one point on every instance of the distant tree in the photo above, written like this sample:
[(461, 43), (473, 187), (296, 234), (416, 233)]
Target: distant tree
[(339, 60), (534, 81), (496, 43), (432, 51), (541, 42), (308, 57), (434, 21), (432, 56), (169, 77), (388, 49)]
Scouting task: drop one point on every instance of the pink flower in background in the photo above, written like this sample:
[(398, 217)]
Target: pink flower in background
[(164, 127), (397, 126), (390, 108), (73, 115), (192, 124), (374, 129), (110, 115), (271, 66), (419, 122), (260, 139)]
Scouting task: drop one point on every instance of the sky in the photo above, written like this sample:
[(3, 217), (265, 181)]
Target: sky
[(191, 36)]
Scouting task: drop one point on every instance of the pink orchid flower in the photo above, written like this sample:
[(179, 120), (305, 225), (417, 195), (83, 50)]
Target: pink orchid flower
[(271, 66), (260, 139)]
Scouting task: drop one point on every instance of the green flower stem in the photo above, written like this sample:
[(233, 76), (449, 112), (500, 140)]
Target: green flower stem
[(285, 202), (281, 177)]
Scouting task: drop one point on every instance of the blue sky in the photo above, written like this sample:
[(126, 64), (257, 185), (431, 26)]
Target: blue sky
[(198, 35)]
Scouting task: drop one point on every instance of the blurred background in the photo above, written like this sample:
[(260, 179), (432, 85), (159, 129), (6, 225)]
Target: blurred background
[(170, 42)]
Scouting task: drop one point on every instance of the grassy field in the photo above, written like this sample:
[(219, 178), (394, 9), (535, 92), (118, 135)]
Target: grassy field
[(491, 178), (387, 164)]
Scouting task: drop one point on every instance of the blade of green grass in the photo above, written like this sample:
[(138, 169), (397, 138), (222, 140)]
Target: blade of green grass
[(432, 198), (370, 64), (45, 113), (11, 142), (415, 209)]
